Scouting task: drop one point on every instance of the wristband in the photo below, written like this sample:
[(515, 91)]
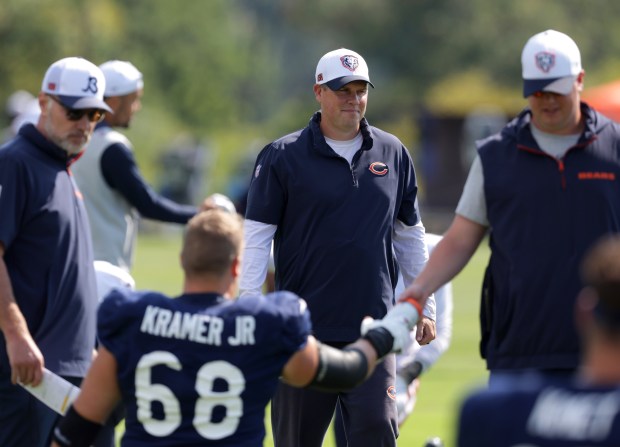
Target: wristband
[(415, 303), (380, 339), (73, 430)]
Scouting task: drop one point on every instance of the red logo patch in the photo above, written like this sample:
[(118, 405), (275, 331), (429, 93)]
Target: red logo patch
[(391, 392), (378, 168)]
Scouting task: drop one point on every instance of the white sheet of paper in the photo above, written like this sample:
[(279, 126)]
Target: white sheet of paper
[(54, 391)]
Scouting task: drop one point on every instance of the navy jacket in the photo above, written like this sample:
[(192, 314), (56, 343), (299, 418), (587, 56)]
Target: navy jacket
[(333, 245)]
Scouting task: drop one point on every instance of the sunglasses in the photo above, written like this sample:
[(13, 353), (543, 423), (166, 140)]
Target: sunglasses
[(93, 115), (540, 94)]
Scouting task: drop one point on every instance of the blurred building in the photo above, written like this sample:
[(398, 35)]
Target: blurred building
[(447, 149)]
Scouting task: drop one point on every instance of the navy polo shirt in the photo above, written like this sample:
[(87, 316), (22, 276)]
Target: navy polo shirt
[(333, 245), (48, 253)]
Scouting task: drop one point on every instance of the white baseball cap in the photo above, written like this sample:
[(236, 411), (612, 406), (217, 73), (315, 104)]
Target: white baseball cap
[(339, 67), (121, 78), (78, 84), (551, 62), (222, 202)]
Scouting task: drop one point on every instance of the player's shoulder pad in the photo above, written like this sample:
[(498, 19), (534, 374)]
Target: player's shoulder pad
[(277, 303), (287, 300), (289, 312), (122, 305)]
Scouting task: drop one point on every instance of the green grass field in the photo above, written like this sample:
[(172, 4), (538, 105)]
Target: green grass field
[(441, 390)]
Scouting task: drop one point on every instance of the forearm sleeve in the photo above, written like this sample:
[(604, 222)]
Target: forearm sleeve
[(74, 430), (339, 370)]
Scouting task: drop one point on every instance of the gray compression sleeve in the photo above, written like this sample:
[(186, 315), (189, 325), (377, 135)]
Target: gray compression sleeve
[(339, 370)]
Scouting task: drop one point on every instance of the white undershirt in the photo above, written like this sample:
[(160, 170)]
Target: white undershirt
[(346, 149)]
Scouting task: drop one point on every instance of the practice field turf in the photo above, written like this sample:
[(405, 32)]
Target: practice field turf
[(441, 390)]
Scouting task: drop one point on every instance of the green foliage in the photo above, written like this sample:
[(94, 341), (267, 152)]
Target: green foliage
[(202, 59), (245, 67)]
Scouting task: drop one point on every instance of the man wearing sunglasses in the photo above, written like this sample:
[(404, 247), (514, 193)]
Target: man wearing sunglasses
[(48, 297)]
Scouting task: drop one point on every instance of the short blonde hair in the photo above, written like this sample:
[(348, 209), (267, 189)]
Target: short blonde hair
[(214, 238)]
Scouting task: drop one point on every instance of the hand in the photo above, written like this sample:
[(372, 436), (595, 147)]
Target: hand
[(399, 321), (426, 331), (26, 360)]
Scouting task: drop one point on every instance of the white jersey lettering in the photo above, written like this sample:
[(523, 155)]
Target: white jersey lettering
[(244, 331), (564, 415), (198, 328)]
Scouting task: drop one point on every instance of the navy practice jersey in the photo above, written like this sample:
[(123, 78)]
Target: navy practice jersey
[(549, 416), (199, 369)]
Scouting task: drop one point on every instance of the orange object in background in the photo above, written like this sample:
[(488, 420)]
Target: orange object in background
[(605, 98)]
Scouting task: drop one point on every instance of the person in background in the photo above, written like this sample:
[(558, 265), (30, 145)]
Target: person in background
[(335, 197), (545, 189), (115, 193), (585, 411), (21, 107), (48, 296), (416, 360), (200, 369)]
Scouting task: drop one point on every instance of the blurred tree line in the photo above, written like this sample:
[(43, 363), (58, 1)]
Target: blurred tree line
[(239, 73)]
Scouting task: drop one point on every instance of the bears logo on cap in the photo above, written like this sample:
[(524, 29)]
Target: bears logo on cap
[(349, 62), (545, 61)]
